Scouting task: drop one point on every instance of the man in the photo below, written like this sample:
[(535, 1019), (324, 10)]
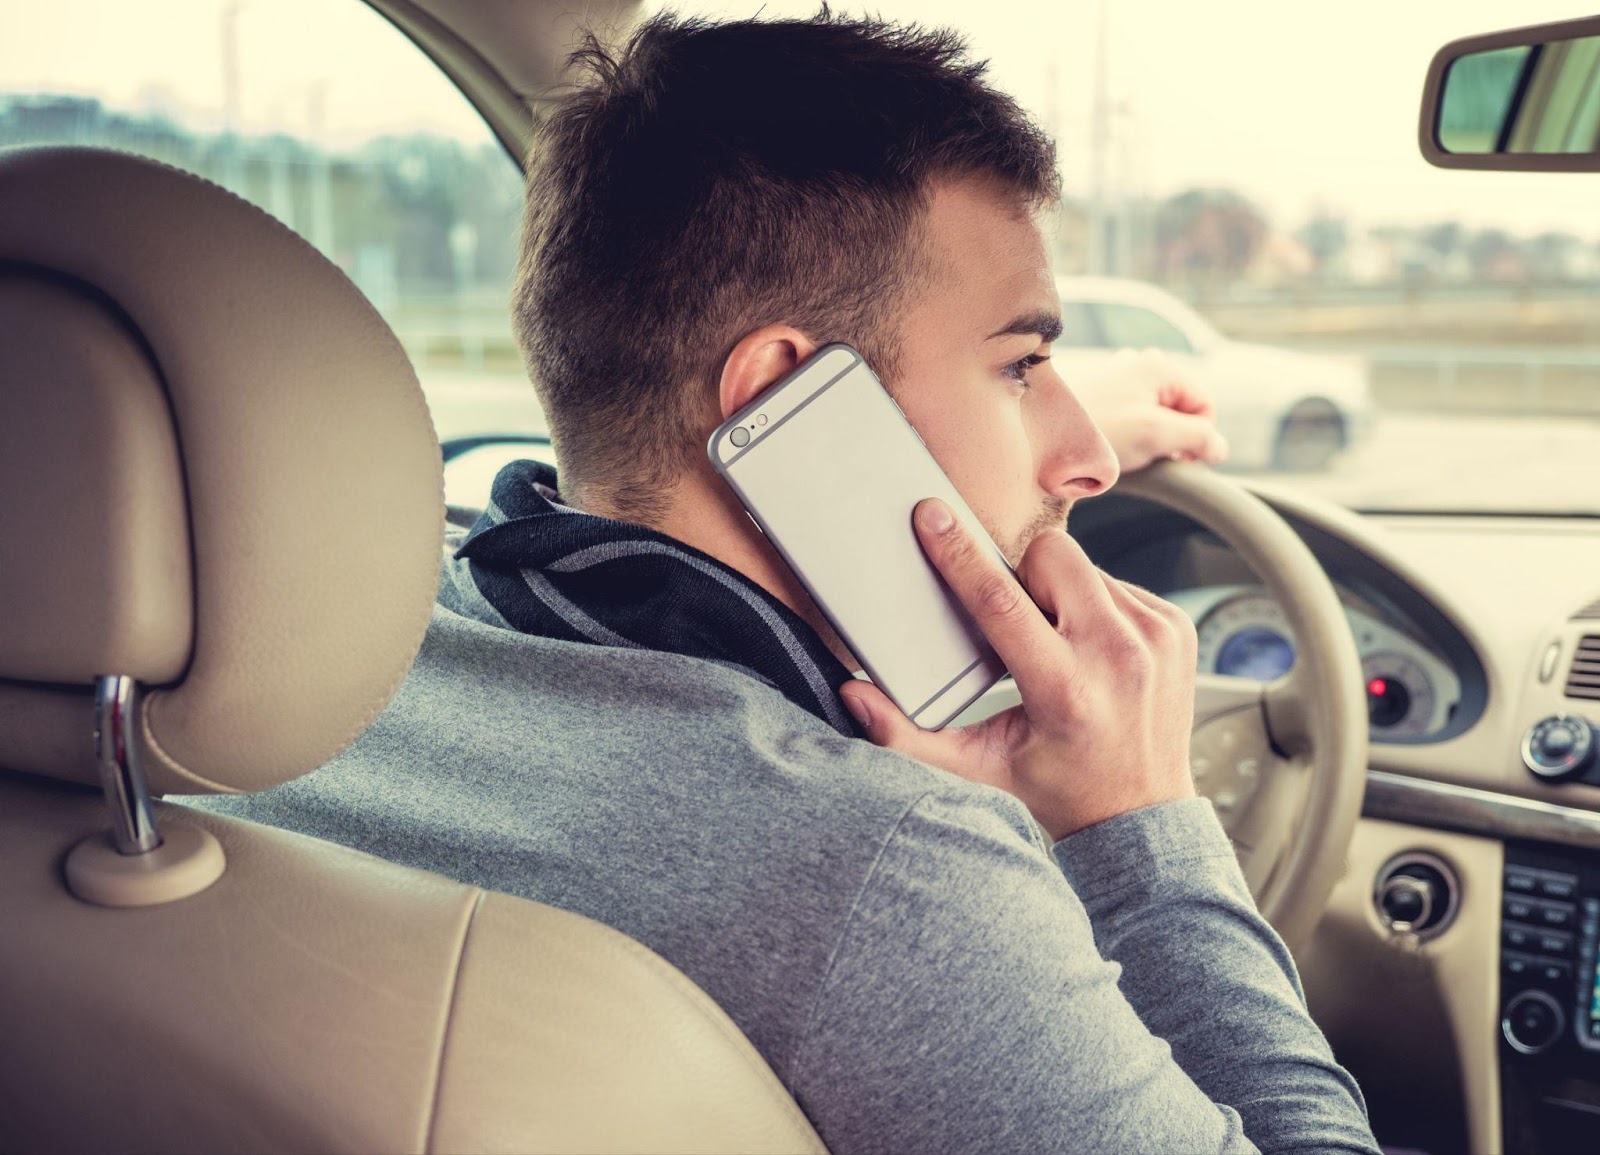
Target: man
[(1028, 934)]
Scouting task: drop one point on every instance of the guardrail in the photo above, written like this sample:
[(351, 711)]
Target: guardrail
[(470, 341), (1520, 375), (1504, 378)]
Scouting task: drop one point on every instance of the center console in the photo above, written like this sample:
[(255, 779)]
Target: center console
[(1550, 1000)]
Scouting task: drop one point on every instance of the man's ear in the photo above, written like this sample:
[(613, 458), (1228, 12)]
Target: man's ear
[(760, 359)]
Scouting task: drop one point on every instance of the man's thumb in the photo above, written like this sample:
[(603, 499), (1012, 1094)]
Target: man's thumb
[(882, 720)]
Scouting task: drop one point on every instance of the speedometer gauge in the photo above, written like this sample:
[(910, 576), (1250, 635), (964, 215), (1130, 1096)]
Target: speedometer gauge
[(1246, 637), (1400, 696), (1245, 634)]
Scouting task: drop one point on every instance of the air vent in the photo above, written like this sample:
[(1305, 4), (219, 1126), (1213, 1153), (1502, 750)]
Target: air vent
[(1589, 612), (1583, 680)]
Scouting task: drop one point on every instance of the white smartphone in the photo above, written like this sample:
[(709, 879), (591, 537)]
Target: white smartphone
[(830, 469)]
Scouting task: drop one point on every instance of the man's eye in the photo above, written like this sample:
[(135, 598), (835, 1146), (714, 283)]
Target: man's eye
[(1018, 370)]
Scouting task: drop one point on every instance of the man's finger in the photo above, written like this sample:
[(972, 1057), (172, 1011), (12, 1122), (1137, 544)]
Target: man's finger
[(1138, 593), (1062, 581), (1148, 613), (1169, 616), (998, 603), (1188, 437), (1183, 393)]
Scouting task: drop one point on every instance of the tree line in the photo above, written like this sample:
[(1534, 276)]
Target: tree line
[(418, 214), (403, 214)]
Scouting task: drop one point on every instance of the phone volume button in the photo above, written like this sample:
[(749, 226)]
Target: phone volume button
[(755, 523)]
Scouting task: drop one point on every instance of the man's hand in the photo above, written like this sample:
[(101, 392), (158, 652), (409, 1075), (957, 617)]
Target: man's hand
[(1151, 408), (1107, 691)]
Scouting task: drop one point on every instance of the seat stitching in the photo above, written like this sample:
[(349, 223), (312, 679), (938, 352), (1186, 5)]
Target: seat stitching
[(432, 1122), (703, 1006)]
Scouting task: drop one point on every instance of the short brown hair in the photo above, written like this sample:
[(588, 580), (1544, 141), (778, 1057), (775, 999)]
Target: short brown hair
[(708, 179)]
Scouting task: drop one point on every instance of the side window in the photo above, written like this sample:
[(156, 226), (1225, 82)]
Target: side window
[(328, 118), (1134, 327), (1078, 328)]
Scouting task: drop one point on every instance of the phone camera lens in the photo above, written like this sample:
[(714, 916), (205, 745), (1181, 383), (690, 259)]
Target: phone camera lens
[(740, 437)]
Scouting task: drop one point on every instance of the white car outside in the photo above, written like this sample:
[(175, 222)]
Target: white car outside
[(1278, 408)]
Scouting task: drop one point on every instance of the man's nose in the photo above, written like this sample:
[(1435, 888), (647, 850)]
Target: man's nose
[(1079, 461)]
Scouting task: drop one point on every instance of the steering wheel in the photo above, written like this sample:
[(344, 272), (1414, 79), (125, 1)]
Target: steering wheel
[(1284, 762)]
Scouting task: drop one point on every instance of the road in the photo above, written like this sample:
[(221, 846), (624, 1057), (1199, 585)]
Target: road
[(1467, 462)]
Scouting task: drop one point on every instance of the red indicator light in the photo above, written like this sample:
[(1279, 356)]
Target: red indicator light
[(1377, 687)]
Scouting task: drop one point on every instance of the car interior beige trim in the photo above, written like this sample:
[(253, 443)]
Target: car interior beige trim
[(1471, 811), (1404, 1013)]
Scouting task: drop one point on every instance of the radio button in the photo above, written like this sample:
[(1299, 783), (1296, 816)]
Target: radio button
[(1517, 965), (1520, 880), (1551, 942), (1520, 909), (1558, 885), (1519, 937), (1556, 914), (1555, 972)]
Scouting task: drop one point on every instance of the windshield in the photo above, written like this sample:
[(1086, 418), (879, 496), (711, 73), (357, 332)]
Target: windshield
[(1395, 336), (1398, 337)]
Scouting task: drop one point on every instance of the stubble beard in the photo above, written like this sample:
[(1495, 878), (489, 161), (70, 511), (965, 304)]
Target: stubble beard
[(1053, 515)]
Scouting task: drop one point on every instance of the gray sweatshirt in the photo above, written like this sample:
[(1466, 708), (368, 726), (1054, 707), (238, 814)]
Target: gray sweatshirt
[(921, 969)]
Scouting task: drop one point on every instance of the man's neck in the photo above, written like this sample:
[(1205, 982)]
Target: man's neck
[(702, 512)]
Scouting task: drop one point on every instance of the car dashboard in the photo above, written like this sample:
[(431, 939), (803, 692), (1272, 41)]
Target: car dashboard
[(1423, 679), (1479, 638)]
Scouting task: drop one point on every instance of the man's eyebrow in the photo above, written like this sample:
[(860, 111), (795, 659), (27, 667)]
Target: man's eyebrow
[(1046, 326)]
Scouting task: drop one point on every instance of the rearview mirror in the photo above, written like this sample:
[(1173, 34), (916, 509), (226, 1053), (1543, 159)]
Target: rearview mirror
[(1525, 100)]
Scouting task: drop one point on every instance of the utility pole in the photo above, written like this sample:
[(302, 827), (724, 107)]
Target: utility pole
[(321, 175), (231, 175), (1099, 148), (1055, 125)]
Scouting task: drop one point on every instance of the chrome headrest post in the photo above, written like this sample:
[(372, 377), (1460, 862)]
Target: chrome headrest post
[(135, 866), (133, 822)]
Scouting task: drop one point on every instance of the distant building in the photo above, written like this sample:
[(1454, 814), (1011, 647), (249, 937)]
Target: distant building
[(1280, 260)]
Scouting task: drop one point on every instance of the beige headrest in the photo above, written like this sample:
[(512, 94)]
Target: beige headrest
[(218, 476)]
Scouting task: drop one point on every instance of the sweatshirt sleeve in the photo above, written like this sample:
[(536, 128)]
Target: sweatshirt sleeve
[(966, 1007), (1164, 893)]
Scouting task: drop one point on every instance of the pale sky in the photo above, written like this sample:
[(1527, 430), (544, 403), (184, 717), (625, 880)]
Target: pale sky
[(1295, 105)]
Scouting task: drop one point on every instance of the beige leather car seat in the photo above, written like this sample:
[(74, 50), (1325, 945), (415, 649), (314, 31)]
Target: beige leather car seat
[(219, 542)]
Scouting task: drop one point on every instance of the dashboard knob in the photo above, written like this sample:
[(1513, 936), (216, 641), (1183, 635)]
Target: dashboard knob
[(1533, 1020), (1559, 747), (1406, 902)]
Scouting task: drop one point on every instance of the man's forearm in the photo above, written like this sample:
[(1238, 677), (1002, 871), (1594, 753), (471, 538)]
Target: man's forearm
[(1169, 905)]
